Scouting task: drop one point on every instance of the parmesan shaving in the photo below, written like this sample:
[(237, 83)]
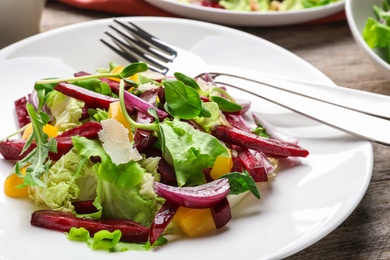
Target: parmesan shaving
[(115, 140)]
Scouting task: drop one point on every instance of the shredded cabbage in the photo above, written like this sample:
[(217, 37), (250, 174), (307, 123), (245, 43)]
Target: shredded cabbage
[(66, 111)]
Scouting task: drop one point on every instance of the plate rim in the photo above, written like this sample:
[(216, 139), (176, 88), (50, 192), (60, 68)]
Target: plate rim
[(71, 27)]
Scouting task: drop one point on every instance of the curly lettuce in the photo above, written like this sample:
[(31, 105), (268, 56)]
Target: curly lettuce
[(124, 190), (63, 181), (66, 111)]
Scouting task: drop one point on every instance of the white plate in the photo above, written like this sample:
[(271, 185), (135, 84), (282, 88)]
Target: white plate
[(237, 18), (308, 199)]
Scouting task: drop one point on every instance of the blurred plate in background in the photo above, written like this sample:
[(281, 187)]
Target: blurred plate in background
[(239, 18)]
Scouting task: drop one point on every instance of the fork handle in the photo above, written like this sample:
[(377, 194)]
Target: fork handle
[(363, 101), (294, 97)]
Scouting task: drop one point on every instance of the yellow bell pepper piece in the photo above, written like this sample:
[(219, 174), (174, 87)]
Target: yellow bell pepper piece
[(115, 111), (194, 222), (119, 69), (10, 186), (50, 130), (222, 165)]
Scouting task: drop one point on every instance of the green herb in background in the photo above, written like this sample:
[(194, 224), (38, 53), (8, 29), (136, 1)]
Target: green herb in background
[(377, 31)]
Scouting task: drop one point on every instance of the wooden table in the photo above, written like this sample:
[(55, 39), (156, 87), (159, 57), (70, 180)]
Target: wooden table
[(331, 49)]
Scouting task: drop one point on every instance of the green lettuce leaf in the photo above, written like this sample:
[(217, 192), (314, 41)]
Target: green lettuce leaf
[(124, 190), (377, 34), (189, 151)]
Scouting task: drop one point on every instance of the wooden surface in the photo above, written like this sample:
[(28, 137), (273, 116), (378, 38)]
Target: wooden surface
[(331, 49)]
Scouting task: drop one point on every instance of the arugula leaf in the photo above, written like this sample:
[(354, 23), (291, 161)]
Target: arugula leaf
[(188, 81), (241, 182), (36, 161), (42, 90), (183, 101), (226, 105), (133, 68)]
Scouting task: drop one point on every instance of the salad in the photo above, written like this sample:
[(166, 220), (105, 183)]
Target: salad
[(124, 157), (260, 5), (377, 31)]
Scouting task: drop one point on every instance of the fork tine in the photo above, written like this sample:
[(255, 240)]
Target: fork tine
[(136, 44), (119, 52), (139, 47), (135, 54), (147, 38)]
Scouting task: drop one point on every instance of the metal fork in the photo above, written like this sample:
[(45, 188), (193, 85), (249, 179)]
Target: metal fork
[(359, 113)]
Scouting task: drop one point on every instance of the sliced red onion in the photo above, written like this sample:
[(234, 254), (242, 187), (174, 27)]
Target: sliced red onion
[(273, 132), (245, 104), (237, 121), (33, 98), (202, 196), (142, 105), (268, 167)]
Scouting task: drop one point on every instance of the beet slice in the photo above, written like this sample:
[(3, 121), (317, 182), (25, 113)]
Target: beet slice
[(131, 231), (162, 219), (11, 149), (91, 98), (221, 213), (21, 111), (88, 130), (84, 207), (166, 171), (253, 165), (250, 140)]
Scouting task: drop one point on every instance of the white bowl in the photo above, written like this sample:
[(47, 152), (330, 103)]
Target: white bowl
[(357, 12)]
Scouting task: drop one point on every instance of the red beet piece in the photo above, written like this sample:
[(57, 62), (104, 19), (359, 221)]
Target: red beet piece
[(92, 99), (131, 231), (21, 111), (221, 213), (250, 140), (11, 149), (88, 130), (166, 171), (253, 165), (84, 207), (162, 219)]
